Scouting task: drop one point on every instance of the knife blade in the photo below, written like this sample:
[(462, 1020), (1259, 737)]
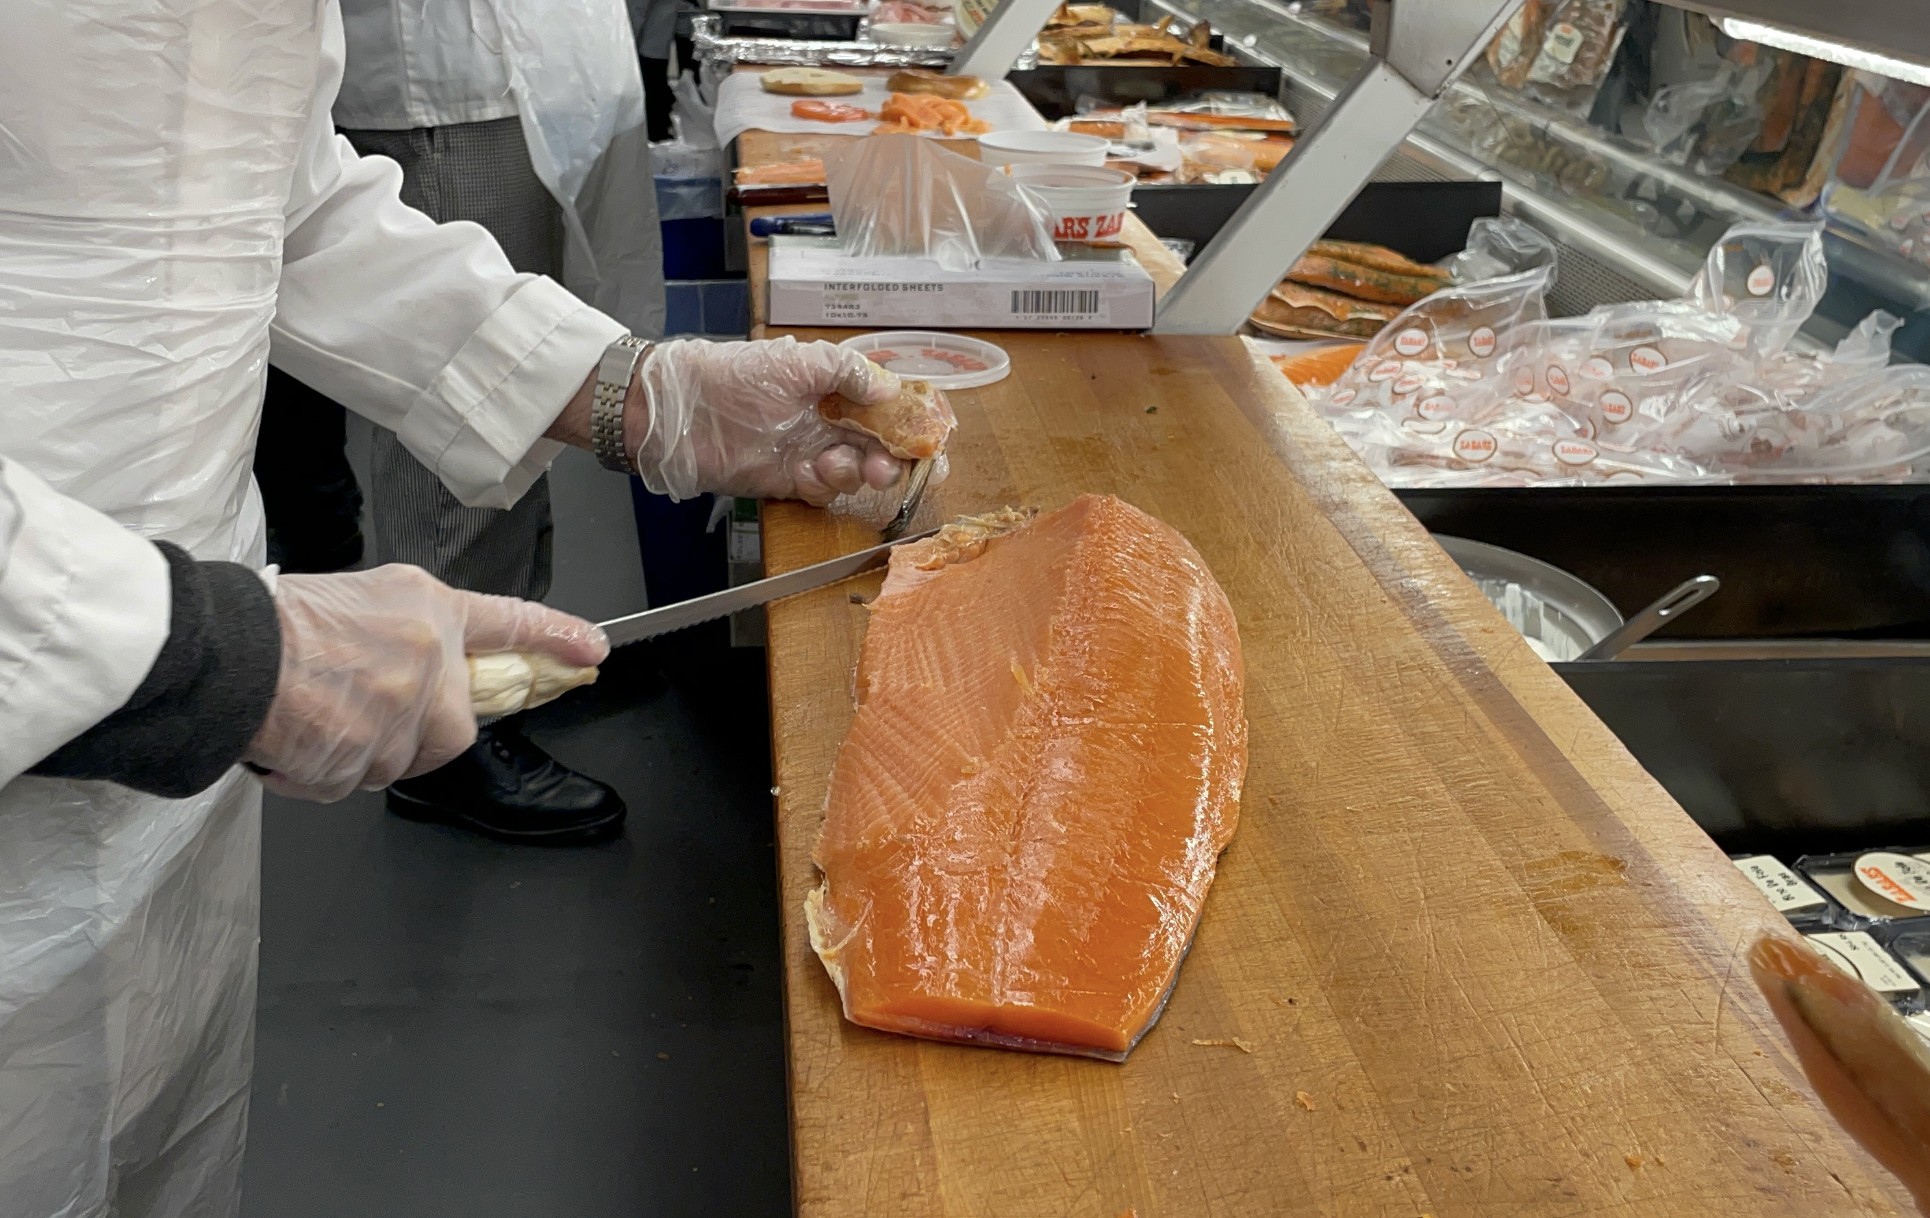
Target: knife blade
[(493, 694), (653, 622)]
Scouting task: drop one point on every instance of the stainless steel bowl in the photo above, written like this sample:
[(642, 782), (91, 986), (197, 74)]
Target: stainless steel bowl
[(1573, 615)]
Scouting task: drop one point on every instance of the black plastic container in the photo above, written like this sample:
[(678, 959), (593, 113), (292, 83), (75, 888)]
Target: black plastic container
[(1427, 221), (1055, 89), (1816, 561), (788, 23), (1783, 757)]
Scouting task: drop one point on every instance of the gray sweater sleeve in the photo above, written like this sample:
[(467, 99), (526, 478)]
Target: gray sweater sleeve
[(204, 698)]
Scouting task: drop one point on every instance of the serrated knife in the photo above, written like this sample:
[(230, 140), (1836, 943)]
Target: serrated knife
[(651, 623)]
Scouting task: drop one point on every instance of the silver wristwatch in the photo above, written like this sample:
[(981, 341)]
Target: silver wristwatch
[(613, 375)]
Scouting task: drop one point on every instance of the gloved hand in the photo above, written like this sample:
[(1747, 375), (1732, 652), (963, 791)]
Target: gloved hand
[(374, 685), (742, 419)]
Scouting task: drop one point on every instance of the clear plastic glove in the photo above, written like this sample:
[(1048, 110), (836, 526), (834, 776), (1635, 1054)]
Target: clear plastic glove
[(374, 685), (742, 419)]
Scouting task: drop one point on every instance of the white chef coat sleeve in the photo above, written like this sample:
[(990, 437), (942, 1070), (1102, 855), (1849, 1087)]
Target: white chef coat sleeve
[(424, 328), (83, 613)]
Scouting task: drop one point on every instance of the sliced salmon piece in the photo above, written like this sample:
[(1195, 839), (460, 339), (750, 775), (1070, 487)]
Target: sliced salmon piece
[(786, 173), (912, 426), (1322, 367), (1044, 767), (829, 112)]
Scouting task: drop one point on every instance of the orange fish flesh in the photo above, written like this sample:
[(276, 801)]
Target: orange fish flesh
[(1044, 766)]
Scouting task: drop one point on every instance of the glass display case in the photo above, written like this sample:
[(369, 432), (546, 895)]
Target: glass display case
[(1635, 133)]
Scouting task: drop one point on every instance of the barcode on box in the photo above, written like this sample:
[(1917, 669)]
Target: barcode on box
[(1062, 301)]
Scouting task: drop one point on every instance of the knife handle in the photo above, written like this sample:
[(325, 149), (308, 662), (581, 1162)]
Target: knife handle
[(504, 682)]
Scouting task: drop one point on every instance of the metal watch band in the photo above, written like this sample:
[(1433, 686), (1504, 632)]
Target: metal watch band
[(613, 375)]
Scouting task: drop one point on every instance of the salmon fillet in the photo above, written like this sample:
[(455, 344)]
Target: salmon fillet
[(912, 426), (1043, 769)]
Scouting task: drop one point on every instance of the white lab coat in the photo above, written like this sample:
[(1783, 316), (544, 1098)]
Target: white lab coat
[(568, 69), (174, 204)]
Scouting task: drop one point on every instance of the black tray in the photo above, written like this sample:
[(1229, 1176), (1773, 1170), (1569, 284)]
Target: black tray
[(1817, 561), (1427, 221), (1055, 89), (789, 23), (1785, 757)]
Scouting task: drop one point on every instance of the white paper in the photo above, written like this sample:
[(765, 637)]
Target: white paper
[(742, 104), (823, 287), (1866, 958)]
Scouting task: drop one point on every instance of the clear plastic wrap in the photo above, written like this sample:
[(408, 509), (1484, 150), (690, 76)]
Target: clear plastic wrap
[(1498, 246), (1001, 865), (903, 196), (1769, 277)]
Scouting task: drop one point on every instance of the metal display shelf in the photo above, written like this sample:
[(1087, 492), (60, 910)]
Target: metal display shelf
[(1607, 253)]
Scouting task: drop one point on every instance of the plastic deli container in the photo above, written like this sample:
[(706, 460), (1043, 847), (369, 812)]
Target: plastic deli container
[(913, 34), (1088, 202), (948, 361), (1041, 148)]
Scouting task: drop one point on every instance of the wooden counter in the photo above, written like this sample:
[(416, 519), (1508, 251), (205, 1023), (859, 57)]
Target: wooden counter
[(1486, 965)]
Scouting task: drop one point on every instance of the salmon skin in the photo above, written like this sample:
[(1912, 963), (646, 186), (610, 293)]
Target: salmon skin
[(1044, 766)]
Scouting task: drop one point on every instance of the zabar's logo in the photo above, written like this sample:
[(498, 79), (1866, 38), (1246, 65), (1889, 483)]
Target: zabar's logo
[(1887, 886)]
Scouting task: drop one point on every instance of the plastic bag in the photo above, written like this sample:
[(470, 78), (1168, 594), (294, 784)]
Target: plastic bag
[(1769, 277), (693, 116), (1498, 246), (904, 196), (1699, 389), (1219, 159), (1433, 372), (1708, 124)]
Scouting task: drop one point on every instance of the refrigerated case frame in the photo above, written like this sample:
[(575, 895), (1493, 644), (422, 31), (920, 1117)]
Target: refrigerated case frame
[(1600, 264)]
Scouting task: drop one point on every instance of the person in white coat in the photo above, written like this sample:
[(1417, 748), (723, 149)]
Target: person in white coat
[(174, 208), (526, 118)]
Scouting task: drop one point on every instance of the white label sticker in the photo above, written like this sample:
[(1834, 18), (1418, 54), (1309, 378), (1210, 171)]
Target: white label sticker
[(1596, 368), (1386, 370), (1408, 383), (1786, 890), (1423, 427), (1475, 446), (1438, 406), (1466, 374), (1343, 396), (1558, 379), (1524, 381), (1562, 42), (1587, 428), (1574, 452), (1411, 341), (1761, 280), (1865, 957), (1895, 877), (1616, 407), (1481, 342), (1647, 359)]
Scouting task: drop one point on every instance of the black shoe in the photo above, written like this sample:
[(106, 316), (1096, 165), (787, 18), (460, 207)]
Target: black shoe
[(507, 788)]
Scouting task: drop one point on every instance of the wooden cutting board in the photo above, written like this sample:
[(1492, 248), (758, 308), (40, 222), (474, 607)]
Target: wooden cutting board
[(1483, 963)]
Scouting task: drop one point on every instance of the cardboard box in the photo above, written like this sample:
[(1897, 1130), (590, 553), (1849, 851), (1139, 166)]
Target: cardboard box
[(813, 284)]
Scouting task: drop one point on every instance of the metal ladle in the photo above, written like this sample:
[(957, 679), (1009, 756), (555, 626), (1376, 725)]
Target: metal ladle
[(1670, 605)]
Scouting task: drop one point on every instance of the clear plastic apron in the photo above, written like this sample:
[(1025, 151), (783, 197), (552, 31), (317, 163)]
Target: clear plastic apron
[(146, 153)]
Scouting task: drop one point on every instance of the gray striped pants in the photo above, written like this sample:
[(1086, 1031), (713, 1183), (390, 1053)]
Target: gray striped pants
[(480, 172)]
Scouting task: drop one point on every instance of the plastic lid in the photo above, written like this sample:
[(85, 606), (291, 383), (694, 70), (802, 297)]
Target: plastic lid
[(948, 361)]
